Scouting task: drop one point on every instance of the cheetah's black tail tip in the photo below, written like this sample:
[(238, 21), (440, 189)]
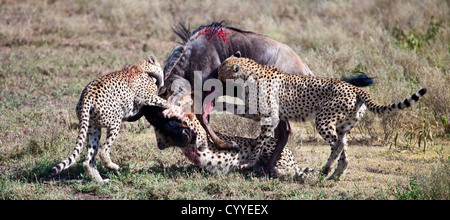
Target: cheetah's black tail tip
[(360, 81), (423, 91)]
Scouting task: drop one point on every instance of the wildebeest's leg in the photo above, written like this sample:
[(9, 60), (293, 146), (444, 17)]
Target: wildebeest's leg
[(282, 134), (218, 143)]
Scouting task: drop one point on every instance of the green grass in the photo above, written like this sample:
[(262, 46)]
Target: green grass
[(434, 185), (50, 50)]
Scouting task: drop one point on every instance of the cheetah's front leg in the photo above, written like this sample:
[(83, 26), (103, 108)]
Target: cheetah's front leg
[(261, 142), (171, 110)]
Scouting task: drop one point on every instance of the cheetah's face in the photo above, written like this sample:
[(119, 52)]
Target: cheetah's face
[(236, 67), (150, 65), (229, 69)]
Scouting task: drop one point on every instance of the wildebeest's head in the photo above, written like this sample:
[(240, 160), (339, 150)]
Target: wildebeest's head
[(190, 128)]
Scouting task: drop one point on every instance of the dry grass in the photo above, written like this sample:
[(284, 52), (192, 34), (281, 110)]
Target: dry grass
[(49, 50)]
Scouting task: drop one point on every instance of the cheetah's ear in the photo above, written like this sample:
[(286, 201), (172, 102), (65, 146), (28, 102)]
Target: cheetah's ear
[(235, 68), (237, 54), (151, 59)]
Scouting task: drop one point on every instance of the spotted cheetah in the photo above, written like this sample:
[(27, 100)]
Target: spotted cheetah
[(334, 105), (108, 100), (202, 152)]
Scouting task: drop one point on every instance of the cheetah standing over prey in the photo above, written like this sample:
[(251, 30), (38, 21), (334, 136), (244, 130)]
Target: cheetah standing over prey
[(335, 105), (108, 100), (201, 151)]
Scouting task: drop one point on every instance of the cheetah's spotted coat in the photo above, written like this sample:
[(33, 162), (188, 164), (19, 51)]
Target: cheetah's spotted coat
[(108, 100), (201, 151), (334, 105)]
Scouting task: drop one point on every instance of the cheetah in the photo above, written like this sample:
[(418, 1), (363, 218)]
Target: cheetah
[(334, 105), (202, 152), (108, 100)]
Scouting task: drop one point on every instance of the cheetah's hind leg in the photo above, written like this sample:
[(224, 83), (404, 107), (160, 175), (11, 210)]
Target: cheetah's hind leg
[(327, 130), (89, 165), (342, 131), (343, 161), (112, 133)]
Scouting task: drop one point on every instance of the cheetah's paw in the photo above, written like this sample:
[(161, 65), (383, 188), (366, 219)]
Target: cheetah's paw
[(174, 112)]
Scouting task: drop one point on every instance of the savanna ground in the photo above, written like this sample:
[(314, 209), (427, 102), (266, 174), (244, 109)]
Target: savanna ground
[(49, 50)]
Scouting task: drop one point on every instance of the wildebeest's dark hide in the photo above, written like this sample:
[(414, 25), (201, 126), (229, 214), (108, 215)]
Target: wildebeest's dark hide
[(204, 50)]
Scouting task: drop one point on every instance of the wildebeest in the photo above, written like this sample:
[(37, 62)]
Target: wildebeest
[(204, 50)]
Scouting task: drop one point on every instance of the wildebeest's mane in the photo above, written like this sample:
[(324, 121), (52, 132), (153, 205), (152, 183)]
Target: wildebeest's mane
[(182, 31)]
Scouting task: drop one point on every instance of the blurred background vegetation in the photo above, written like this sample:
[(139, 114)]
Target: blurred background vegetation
[(49, 50)]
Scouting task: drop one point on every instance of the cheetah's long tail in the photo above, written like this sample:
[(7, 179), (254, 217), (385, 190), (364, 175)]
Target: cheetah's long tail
[(84, 123), (386, 109)]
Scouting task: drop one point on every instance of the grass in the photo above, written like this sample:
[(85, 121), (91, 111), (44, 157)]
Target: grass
[(50, 50)]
